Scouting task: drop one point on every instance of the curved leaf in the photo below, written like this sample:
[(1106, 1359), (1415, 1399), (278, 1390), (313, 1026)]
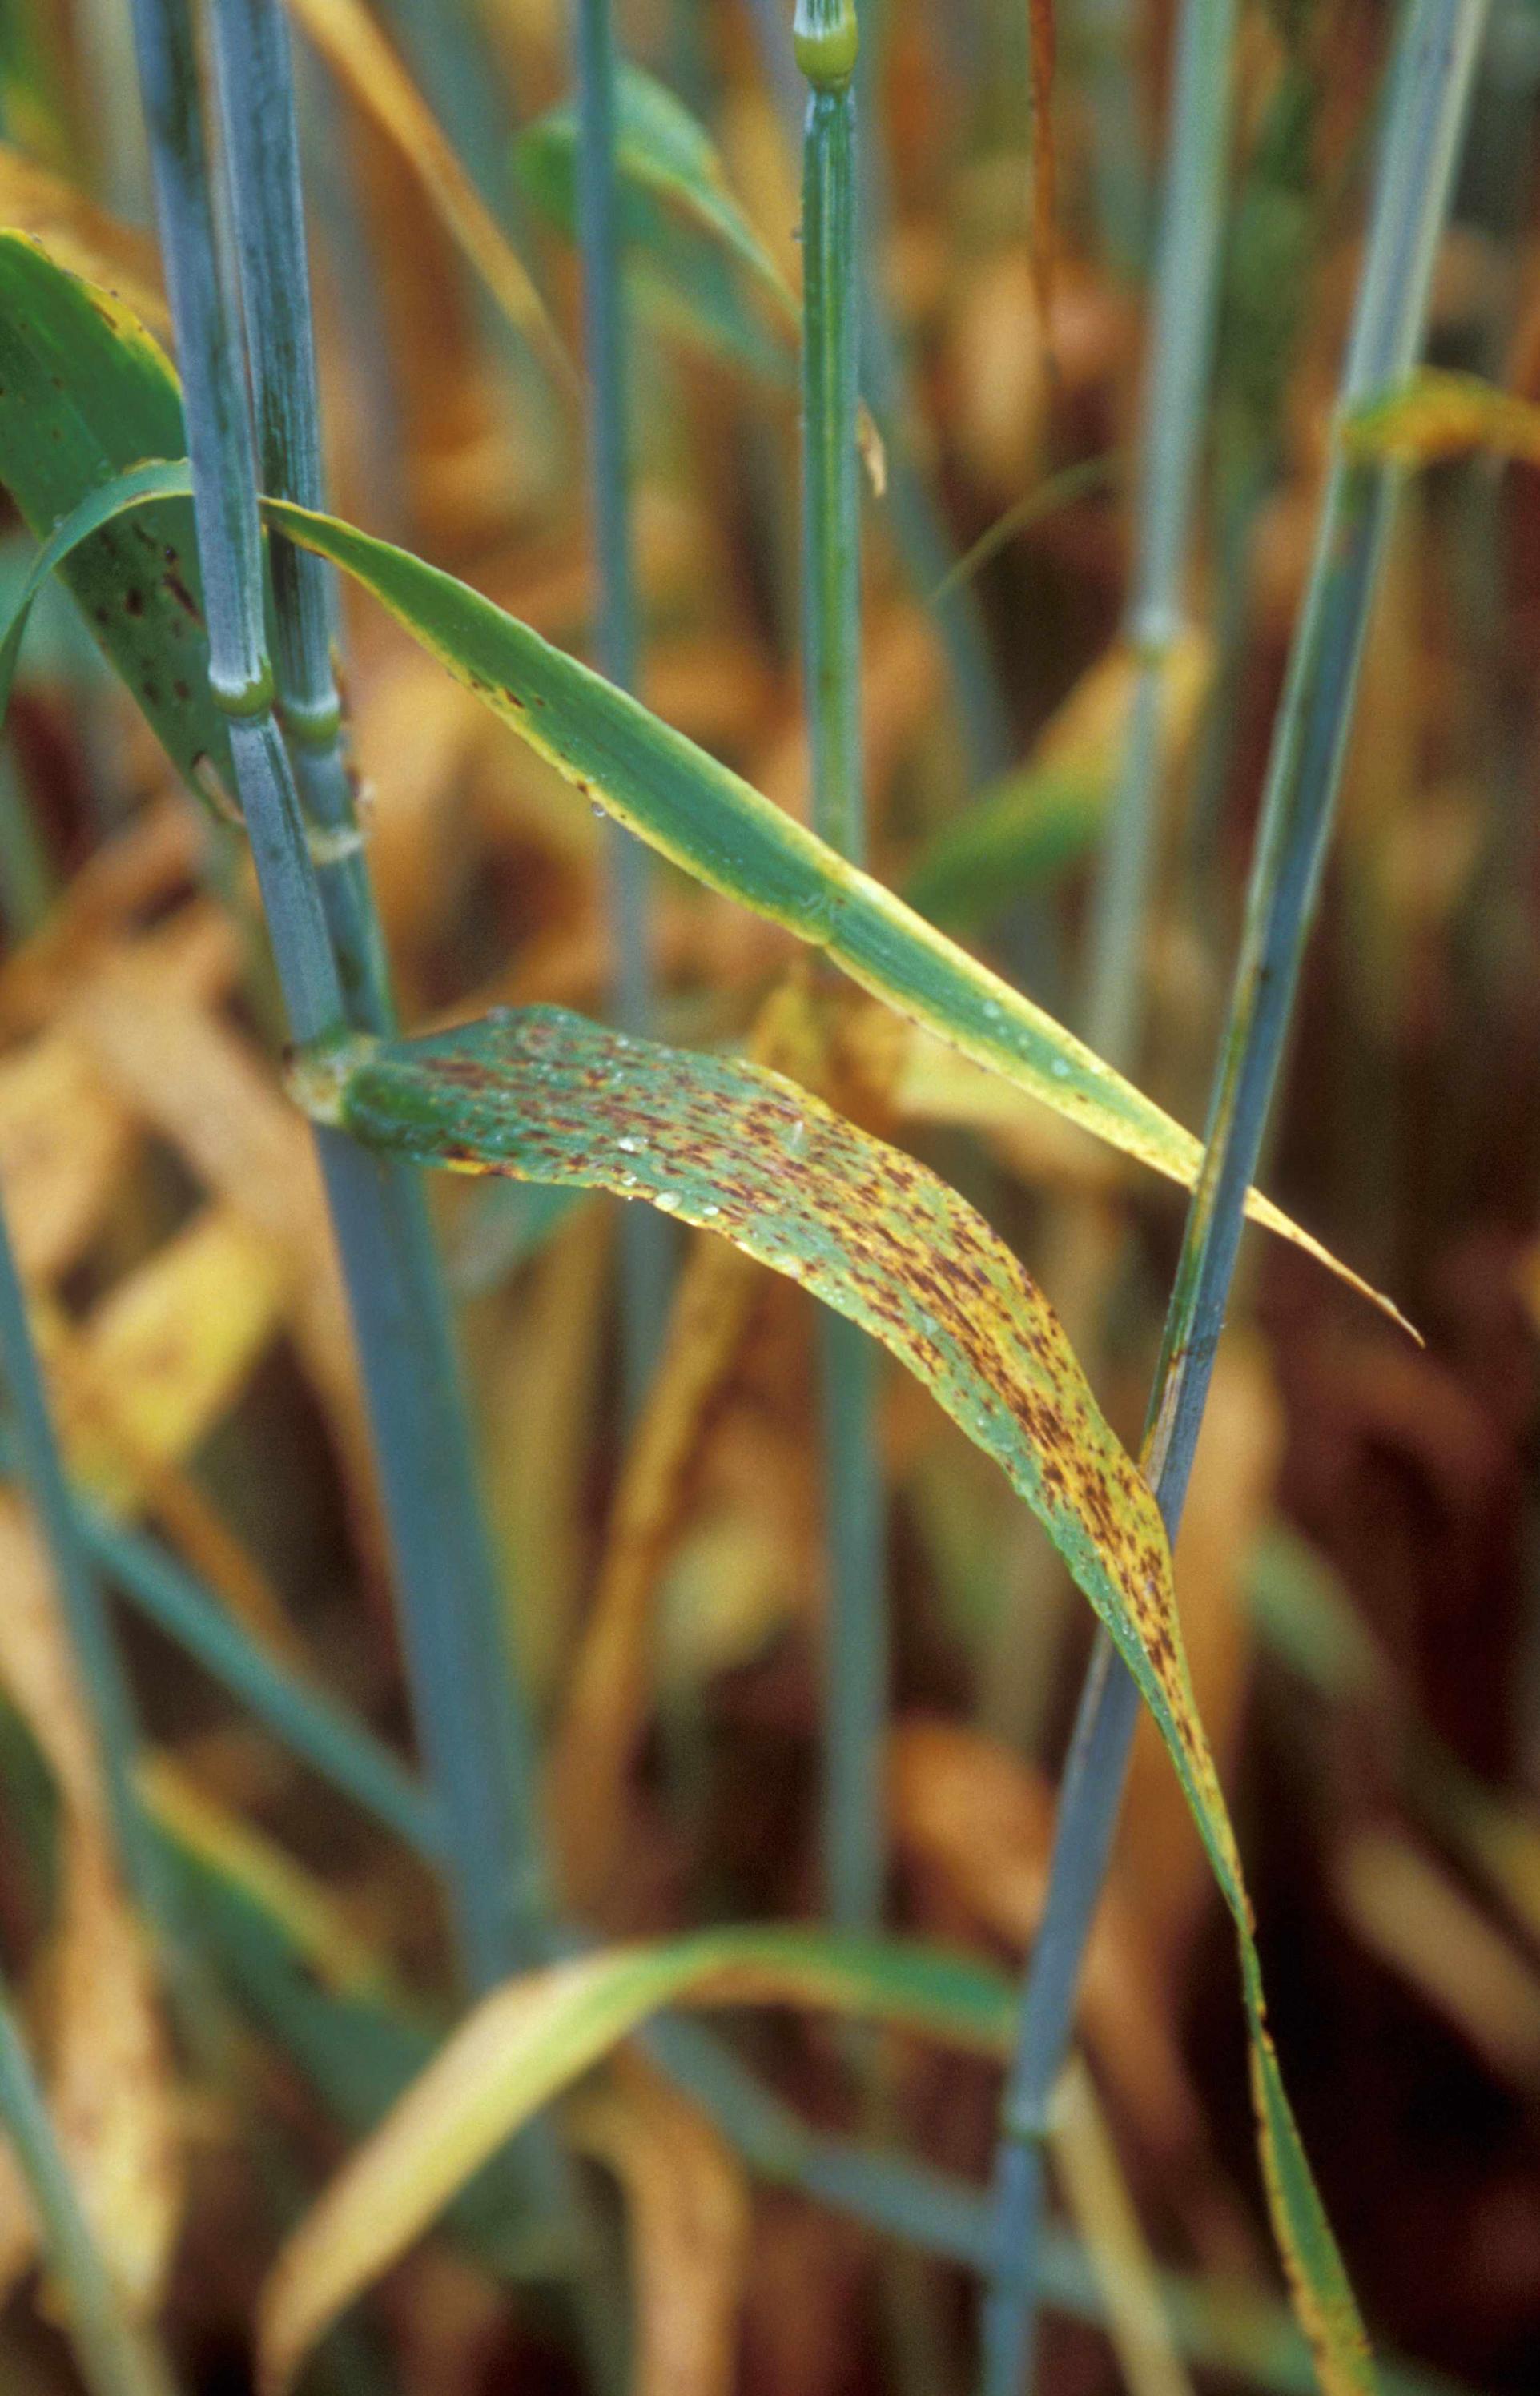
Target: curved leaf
[(532, 2038), (737, 1149), (85, 395), (707, 819), (740, 1150), (662, 153)]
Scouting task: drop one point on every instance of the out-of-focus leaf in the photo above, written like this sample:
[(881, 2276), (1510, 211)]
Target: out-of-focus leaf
[(607, 1703), (361, 58), (1023, 830), (84, 239), (532, 2037), (1414, 1917), (740, 1150), (688, 2203), (1036, 822), (1436, 415), (107, 2064), (64, 1145), (662, 151), (84, 396), (966, 1809), (1086, 2162), (1043, 49), (164, 1355)]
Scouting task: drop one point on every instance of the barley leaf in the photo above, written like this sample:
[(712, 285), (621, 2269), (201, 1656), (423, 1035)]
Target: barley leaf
[(543, 1095), (681, 801), (85, 395), (532, 2038)]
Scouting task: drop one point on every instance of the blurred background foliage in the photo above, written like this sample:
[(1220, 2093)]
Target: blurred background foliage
[(1359, 1574)]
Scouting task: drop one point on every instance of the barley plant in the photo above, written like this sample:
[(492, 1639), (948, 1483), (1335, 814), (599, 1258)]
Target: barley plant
[(701, 703)]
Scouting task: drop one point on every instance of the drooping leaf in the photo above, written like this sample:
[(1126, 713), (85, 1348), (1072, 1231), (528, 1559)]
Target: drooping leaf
[(687, 2199), (608, 1683), (532, 2037), (733, 1149), (86, 395), (714, 825)]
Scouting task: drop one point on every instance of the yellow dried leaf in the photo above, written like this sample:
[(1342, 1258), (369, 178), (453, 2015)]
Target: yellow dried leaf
[(166, 1355), (107, 2064), (85, 239), (688, 2204), (64, 1146)]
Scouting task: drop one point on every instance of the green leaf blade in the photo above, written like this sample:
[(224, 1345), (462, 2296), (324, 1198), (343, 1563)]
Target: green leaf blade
[(85, 394)]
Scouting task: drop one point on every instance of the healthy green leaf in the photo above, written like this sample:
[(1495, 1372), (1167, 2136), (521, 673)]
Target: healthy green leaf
[(85, 394), (532, 2038), (733, 1149)]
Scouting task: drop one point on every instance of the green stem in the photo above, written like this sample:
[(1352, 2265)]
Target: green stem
[(857, 1663), (115, 2357), (479, 1747), (1429, 92), (645, 1244)]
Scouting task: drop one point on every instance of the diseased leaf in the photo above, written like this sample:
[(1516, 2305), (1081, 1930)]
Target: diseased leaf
[(532, 2037), (735, 1148), (731, 1148), (86, 395)]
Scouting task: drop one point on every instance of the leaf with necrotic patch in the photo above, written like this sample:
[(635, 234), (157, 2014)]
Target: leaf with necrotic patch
[(546, 1096)]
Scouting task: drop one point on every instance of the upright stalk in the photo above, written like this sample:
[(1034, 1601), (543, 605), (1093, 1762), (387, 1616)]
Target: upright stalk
[(1173, 419), (477, 1742), (115, 2357), (1430, 90), (855, 1669), (645, 1241)]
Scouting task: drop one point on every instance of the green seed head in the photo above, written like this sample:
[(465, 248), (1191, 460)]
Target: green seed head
[(825, 37)]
